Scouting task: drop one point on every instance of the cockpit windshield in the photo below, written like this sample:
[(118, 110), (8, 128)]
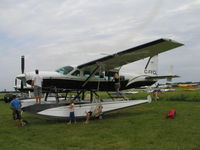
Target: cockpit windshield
[(65, 70)]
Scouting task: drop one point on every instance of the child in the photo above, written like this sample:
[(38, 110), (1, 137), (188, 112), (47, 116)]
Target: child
[(71, 112), (96, 112)]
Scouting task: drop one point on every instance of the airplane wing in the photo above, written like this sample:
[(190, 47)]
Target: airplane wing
[(131, 55)]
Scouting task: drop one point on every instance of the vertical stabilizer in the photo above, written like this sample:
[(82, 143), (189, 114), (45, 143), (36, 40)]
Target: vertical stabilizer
[(171, 69), (152, 66)]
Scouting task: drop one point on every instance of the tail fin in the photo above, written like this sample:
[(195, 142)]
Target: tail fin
[(151, 69), (152, 66), (170, 73)]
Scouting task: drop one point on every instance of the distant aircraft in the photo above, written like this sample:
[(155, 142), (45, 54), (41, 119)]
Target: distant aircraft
[(97, 75), (189, 86)]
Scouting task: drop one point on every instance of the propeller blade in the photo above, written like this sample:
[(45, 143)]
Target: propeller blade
[(22, 64), (22, 85), (16, 82)]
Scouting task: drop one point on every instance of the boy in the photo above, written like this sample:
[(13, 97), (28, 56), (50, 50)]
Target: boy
[(15, 105)]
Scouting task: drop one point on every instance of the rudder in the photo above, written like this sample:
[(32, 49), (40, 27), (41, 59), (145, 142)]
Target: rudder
[(151, 67)]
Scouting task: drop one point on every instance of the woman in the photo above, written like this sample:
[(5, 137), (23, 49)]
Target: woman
[(117, 82)]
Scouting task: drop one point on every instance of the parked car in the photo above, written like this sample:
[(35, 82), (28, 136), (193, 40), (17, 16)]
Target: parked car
[(8, 97)]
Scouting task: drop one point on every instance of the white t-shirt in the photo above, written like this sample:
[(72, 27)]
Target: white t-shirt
[(71, 107), (37, 80)]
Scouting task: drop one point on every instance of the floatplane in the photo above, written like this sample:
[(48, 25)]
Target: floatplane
[(97, 75)]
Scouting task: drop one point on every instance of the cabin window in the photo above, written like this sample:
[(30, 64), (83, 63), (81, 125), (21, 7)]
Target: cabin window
[(109, 75), (86, 74), (65, 70), (97, 75), (76, 73)]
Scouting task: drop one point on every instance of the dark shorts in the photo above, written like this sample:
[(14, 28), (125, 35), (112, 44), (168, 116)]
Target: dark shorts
[(17, 115), (38, 91), (72, 116), (117, 85)]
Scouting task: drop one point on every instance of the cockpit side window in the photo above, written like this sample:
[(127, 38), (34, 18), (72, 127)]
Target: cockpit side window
[(65, 70), (102, 75), (109, 75), (97, 75), (76, 73)]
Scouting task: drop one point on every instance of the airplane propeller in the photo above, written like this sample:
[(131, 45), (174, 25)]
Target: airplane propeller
[(15, 87), (22, 64), (23, 82), (15, 82)]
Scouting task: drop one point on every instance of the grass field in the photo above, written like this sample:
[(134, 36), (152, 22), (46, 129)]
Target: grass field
[(178, 95), (142, 127), (1, 95)]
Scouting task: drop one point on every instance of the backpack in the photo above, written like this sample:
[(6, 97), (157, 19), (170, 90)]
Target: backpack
[(171, 114)]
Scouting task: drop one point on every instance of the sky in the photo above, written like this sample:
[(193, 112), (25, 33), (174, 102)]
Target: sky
[(51, 34)]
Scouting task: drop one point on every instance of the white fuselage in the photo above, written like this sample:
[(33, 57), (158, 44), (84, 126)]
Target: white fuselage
[(77, 79)]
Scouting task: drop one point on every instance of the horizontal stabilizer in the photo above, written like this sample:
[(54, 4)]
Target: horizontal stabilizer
[(162, 77)]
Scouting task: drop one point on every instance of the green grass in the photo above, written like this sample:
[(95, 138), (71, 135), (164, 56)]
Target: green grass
[(181, 95), (142, 127), (2, 95), (178, 95)]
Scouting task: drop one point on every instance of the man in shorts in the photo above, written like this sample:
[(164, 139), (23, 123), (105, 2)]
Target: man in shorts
[(37, 84)]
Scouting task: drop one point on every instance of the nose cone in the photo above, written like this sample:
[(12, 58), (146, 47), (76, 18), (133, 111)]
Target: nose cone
[(21, 76)]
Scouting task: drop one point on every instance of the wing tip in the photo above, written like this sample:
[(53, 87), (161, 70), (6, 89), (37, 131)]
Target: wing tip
[(173, 41)]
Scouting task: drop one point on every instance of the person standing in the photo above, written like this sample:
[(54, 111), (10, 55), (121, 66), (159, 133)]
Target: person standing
[(72, 117), (117, 82), (16, 105), (37, 84)]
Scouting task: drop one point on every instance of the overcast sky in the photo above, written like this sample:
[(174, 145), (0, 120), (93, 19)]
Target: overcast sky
[(56, 33)]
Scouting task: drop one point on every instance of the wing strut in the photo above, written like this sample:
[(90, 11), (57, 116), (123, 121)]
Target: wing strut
[(86, 81), (88, 78)]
